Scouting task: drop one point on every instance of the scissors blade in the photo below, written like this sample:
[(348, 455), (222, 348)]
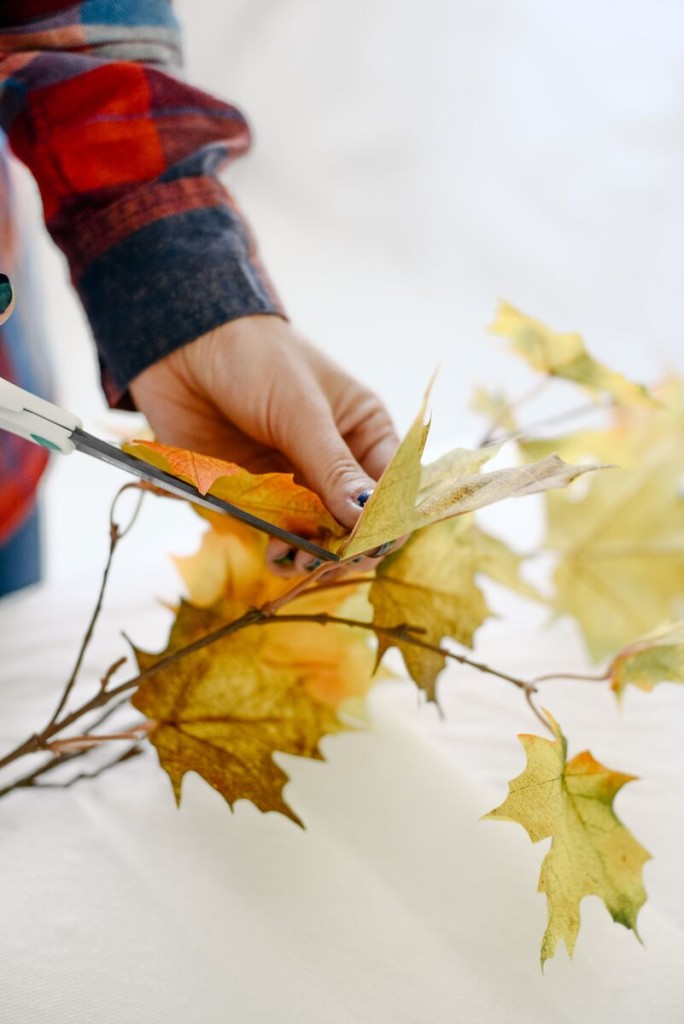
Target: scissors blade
[(99, 449)]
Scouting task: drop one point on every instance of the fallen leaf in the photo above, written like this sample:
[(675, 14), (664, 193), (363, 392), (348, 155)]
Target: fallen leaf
[(225, 710), (563, 355), (430, 583), (655, 658), (592, 853), (274, 497)]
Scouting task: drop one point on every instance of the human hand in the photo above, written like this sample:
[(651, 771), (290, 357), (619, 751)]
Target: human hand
[(255, 392)]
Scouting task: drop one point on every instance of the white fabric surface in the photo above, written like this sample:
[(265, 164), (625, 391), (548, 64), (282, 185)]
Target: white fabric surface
[(397, 904), (413, 163)]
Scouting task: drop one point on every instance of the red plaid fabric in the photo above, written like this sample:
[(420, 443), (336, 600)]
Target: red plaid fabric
[(126, 156), (21, 463)]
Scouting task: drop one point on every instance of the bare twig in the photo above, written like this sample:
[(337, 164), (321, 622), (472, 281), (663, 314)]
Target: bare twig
[(115, 535), (573, 675), (31, 780), (547, 421), (513, 406), (90, 739), (112, 670), (110, 710), (43, 769), (529, 690)]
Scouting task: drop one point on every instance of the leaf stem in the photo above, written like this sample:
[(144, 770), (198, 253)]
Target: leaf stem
[(537, 710)]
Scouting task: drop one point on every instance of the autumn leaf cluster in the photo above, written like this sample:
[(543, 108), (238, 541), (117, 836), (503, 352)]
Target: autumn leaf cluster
[(257, 664)]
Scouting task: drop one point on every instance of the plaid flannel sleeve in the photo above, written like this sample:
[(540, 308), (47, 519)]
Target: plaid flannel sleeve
[(126, 155)]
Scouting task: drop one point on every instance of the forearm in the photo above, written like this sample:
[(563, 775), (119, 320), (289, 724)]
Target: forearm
[(126, 157)]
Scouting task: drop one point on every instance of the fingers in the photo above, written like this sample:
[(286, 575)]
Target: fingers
[(336, 433), (287, 561), (309, 437), (257, 380)]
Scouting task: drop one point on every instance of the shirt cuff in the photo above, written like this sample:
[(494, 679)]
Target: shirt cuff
[(159, 268)]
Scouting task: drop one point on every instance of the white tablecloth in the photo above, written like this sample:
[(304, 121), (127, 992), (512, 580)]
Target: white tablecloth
[(395, 905)]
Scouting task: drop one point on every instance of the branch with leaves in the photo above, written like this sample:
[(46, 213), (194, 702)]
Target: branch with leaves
[(256, 664)]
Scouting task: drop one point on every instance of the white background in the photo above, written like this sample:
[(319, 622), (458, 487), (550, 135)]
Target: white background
[(414, 163)]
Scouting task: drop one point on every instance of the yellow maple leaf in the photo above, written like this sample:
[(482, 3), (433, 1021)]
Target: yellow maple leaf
[(229, 574), (655, 658), (496, 406), (592, 853), (224, 710), (230, 566), (409, 497), (430, 583), (621, 545), (563, 355)]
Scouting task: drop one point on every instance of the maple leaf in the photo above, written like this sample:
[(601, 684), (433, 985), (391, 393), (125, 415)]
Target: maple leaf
[(224, 710), (592, 853), (230, 567), (271, 496), (430, 583), (621, 546), (409, 497), (563, 355), (655, 658), (496, 406), (230, 574)]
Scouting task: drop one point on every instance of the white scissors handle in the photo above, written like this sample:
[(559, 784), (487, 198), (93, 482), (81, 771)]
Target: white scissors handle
[(46, 424), (36, 419)]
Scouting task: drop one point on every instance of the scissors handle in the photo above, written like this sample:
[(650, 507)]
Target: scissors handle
[(36, 419)]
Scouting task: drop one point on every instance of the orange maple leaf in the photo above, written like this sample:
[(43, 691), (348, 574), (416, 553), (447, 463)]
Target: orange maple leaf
[(271, 496)]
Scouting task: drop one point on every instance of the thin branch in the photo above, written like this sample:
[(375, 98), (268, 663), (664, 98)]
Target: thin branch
[(547, 421), (112, 670), (537, 711), (573, 675), (89, 739), (110, 710), (252, 617), (406, 634), (71, 682), (511, 407), (30, 781), (43, 769), (115, 535), (259, 617)]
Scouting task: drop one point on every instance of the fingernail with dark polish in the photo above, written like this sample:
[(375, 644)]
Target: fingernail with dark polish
[(363, 497), (286, 559), (313, 564), (382, 550), (5, 292)]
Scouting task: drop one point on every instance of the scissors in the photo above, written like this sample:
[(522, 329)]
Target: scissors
[(38, 420)]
